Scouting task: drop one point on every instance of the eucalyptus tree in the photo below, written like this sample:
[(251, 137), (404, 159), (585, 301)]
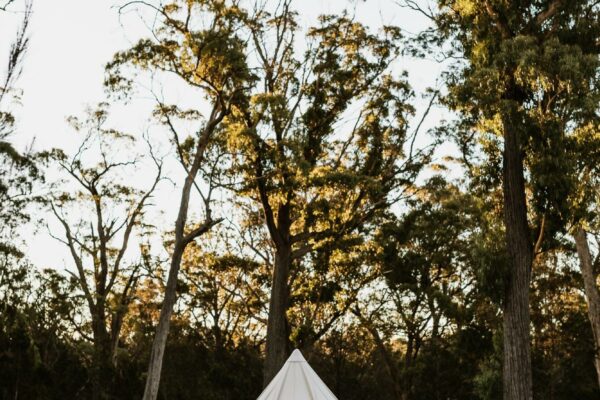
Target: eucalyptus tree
[(522, 80), (321, 148), (589, 271), (585, 148), (18, 171), (99, 212), (199, 43)]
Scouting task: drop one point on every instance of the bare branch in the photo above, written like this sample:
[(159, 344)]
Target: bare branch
[(17, 50), (552, 9), (133, 219), (423, 117), (78, 263), (413, 5), (200, 230), (6, 4)]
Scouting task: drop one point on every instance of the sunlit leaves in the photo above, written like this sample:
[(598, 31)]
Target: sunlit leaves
[(540, 59), (199, 42)]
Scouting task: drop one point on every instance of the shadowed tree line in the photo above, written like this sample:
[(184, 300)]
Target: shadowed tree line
[(313, 210)]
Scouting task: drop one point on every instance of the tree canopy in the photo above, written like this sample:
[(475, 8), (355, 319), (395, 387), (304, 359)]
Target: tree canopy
[(290, 184)]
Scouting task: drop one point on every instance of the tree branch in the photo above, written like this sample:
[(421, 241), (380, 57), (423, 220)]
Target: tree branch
[(552, 9)]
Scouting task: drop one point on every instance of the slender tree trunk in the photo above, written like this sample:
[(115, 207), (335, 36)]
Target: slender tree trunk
[(162, 330), (115, 335), (277, 331), (181, 241), (592, 293), (517, 380)]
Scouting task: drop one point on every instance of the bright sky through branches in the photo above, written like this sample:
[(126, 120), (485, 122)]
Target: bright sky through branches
[(72, 40)]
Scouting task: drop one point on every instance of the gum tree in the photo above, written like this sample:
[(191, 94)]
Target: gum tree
[(585, 148), (197, 42), (521, 84), (99, 217), (321, 150)]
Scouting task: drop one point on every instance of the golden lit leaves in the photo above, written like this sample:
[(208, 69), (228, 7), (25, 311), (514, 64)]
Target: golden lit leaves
[(466, 8), (198, 41)]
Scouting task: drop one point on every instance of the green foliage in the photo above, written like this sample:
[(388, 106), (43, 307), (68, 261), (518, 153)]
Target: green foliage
[(542, 59), (396, 283), (18, 171), (320, 152), (199, 42), (36, 358)]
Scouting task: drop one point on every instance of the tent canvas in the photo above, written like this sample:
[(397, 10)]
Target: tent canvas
[(296, 381)]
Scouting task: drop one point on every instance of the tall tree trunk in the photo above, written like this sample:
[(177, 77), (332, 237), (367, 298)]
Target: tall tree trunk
[(162, 330), (517, 380), (181, 241), (101, 369), (592, 293), (277, 330)]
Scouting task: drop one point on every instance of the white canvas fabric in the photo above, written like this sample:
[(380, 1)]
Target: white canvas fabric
[(296, 381)]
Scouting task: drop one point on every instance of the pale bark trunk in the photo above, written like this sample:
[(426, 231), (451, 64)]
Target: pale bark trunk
[(592, 293), (409, 358), (517, 379), (162, 330), (277, 332), (181, 241)]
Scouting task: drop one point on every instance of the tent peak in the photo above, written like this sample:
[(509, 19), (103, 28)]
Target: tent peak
[(296, 356), (296, 380)]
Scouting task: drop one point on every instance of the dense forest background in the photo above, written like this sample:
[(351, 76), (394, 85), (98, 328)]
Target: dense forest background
[(293, 189)]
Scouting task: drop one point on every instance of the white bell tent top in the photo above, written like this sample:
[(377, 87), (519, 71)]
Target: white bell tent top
[(296, 381)]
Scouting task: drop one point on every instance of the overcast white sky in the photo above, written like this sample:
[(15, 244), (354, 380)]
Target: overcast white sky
[(71, 41)]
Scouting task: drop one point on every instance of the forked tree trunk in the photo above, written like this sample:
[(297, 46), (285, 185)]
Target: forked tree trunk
[(517, 380), (592, 294), (277, 331)]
